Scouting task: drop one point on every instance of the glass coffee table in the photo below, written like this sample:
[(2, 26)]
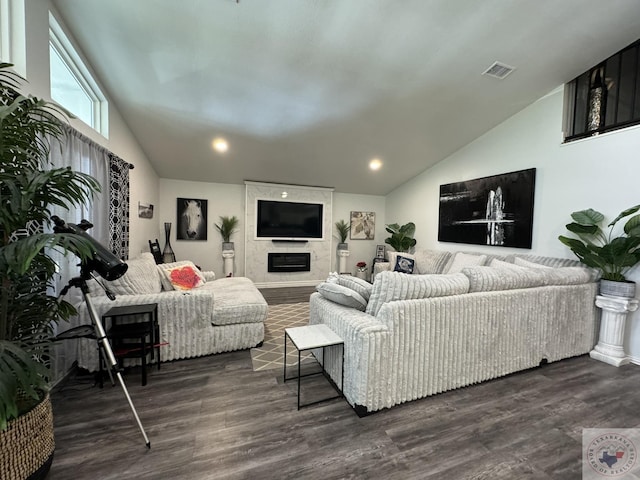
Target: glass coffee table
[(310, 337)]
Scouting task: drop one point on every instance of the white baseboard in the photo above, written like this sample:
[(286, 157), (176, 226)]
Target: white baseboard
[(299, 283), (635, 360)]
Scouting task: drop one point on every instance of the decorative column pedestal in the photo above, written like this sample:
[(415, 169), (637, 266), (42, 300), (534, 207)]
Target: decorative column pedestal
[(614, 315), (228, 255), (342, 261)]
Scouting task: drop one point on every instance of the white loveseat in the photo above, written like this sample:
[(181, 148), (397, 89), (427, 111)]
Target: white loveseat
[(418, 335), (218, 316)]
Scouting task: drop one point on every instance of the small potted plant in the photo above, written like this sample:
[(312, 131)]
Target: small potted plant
[(342, 228), (613, 255), (227, 227), (401, 239), (362, 266)]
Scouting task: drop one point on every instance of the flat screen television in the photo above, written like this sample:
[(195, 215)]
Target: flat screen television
[(289, 220)]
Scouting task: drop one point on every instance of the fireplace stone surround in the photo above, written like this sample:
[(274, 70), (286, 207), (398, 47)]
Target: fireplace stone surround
[(257, 250)]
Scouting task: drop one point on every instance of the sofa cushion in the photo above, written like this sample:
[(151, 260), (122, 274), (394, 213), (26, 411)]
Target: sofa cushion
[(431, 261), (567, 276), (521, 262), (393, 259), (461, 260), (502, 264), (361, 287), (184, 277), (141, 277), (342, 295), (235, 300), (487, 279), (390, 286), (164, 267)]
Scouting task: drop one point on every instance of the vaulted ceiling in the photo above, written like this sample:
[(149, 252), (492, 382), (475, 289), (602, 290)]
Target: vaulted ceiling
[(309, 91)]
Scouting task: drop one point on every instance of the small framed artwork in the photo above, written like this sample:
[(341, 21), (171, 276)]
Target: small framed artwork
[(145, 210), (380, 251), (363, 225), (192, 219)]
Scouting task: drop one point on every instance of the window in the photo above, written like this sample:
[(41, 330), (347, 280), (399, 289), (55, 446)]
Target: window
[(12, 34), (605, 98), (72, 86)]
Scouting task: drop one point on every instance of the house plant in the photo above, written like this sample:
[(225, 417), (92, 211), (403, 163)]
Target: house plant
[(342, 228), (227, 227), (401, 239), (614, 254), (29, 189)]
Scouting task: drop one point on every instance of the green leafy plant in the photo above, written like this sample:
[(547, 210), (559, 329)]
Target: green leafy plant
[(343, 229), (613, 255), (401, 239), (227, 227), (29, 188)]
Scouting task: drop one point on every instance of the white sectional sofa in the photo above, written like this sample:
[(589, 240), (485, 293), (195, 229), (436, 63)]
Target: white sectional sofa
[(410, 336), (217, 316)]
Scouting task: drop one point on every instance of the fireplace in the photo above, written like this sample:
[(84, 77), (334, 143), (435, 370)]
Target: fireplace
[(289, 262)]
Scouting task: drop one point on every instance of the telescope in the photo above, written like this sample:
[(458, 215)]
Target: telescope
[(109, 267), (105, 263)]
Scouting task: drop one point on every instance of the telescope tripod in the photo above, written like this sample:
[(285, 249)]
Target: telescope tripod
[(103, 344)]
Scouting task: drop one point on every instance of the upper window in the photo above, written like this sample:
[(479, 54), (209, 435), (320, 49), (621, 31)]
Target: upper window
[(72, 86), (605, 98)]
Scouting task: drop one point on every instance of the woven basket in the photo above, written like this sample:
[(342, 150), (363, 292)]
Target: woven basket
[(27, 445)]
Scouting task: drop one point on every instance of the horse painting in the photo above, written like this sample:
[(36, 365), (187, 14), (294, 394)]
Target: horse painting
[(192, 219)]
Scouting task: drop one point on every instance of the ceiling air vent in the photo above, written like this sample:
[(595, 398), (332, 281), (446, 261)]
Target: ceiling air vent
[(498, 70)]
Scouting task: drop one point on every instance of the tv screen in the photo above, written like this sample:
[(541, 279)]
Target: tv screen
[(289, 220)]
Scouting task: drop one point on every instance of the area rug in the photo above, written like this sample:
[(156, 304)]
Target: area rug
[(270, 354)]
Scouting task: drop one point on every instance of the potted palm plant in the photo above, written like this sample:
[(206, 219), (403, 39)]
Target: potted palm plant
[(613, 254), (401, 239), (29, 188), (227, 227), (342, 228)]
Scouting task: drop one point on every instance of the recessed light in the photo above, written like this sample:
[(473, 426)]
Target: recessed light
[(220, 145), (375, 164), (284, 194)]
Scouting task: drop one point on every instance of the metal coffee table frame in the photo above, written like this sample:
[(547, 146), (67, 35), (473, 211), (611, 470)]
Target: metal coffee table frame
[(310, 337)]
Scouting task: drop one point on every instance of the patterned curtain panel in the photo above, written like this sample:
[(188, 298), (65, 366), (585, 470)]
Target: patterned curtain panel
[(119, 206)]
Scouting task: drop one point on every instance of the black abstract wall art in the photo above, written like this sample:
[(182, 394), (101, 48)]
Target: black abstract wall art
[(496, 210)]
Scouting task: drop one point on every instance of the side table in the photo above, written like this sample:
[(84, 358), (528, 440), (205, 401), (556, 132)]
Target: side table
[(310, 337), (129, 339)]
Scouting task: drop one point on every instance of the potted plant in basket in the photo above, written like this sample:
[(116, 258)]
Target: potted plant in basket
[(227, 227), (28, 191), (342, 228), (401, 239), (613, 255)]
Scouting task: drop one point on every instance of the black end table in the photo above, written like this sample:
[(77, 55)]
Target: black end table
[(134, 339)]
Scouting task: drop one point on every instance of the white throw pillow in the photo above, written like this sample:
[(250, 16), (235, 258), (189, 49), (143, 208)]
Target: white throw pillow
[(164, 267), (361, 287), (461, 260), (141, 277), (342, 295)]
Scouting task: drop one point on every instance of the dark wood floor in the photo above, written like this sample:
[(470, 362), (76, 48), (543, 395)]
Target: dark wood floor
[(214, 418)]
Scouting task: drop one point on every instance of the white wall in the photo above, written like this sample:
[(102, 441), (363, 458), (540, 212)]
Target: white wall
[(359, 250), (143, 179), (600, 172), (222, 200)]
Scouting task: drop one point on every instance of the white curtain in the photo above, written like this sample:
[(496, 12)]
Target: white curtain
[(82, 155)]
